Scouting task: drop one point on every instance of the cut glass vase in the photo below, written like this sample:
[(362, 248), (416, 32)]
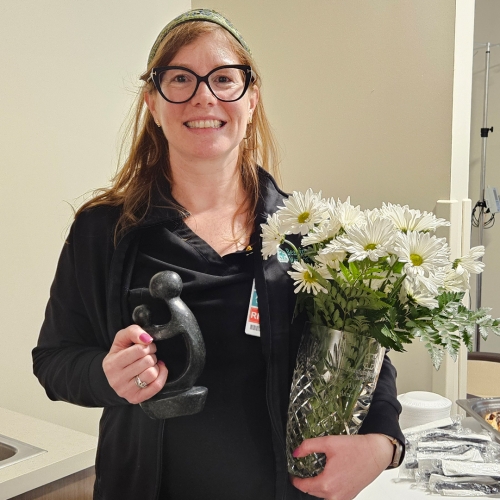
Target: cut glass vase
[(332, 388)]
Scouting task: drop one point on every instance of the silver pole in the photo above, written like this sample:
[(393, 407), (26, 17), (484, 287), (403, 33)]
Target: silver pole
[(484, 138)]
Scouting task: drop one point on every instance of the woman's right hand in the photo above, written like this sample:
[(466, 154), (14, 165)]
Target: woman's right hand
[(133, 354)]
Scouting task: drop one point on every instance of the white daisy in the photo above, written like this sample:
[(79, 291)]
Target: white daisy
[(302, 212), (332, 260), (347, 214), (433, 282), (407, 219), (373, 240), (272, 236), (411, 289), (304, 279), (327, 230), (469, 262), (425, 258), (422, 253), (373, 214), (454, 281)]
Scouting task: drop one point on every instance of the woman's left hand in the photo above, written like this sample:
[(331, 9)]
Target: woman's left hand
[(352, 463)]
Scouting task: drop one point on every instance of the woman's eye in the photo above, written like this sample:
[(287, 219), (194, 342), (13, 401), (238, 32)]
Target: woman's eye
[(174, 77), (181, 78), (223, 80)]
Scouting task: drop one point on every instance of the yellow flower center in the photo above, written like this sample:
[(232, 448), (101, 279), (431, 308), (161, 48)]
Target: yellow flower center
[(416, 260), (303, 217), (308, 278), (370, 246)]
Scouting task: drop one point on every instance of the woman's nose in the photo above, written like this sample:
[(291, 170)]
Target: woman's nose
[(203, 95)]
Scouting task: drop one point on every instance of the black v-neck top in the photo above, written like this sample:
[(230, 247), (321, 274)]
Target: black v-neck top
[(225, 452)]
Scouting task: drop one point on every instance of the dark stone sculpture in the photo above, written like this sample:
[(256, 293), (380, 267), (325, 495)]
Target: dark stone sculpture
[(177, 397)]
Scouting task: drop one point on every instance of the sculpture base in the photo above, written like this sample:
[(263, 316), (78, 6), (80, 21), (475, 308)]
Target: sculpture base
[(185, 403)]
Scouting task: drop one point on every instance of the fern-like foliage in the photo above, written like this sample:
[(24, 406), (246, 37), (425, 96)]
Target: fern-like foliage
[(366, 272), (351, 304)]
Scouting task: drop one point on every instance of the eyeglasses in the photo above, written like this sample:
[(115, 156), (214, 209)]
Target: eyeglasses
[(178, 85)]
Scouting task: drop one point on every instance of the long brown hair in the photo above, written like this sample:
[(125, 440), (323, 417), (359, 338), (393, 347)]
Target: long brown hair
[(147, 164)]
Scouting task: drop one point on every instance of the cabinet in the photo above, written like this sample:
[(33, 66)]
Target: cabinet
[(78, 486)]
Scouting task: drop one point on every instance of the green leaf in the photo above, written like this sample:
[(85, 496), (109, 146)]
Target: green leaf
[(436, 355), (346, 273), (354, 270), (449, 297), (398, 267)]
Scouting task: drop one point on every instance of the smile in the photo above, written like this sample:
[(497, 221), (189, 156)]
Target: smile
[(205, 124)]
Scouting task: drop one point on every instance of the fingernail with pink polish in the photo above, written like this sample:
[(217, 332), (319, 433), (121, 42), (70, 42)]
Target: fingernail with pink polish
[(146, 338), (160, 362), (295, 453)]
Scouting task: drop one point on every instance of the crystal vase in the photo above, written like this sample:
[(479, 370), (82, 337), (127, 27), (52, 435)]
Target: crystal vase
[(332, 388)]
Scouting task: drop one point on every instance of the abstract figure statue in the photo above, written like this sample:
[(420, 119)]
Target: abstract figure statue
[(177, 397)]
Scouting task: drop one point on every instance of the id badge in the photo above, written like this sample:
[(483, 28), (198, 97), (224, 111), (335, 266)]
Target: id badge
[(252, 325)]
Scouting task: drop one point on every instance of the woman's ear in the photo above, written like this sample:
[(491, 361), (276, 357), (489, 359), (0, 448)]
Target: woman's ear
[(150, 101), (253, 99)]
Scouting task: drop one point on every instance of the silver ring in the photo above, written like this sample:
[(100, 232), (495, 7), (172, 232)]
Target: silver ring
[(139, 383)]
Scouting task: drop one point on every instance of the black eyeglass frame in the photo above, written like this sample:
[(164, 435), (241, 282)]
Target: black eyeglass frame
[(249, 77)]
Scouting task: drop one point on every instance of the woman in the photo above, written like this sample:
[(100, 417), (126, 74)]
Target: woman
[(190, 198)]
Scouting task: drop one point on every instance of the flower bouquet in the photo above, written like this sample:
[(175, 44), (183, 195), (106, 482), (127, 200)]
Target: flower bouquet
[(368, 280)]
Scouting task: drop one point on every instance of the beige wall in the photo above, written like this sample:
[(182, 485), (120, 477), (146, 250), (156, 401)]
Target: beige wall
[(359, 92), (360, 96), (68, 75), (487, 29)]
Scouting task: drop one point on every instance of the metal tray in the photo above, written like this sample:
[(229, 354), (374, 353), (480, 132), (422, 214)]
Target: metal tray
[(478, 408)]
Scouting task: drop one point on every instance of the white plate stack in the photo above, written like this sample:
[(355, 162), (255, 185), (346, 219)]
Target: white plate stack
[(420, 407)]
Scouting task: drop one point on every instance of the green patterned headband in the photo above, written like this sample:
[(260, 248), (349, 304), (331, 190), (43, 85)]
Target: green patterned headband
[(198, 15)]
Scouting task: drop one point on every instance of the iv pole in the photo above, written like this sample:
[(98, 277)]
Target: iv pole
[(482, 204)]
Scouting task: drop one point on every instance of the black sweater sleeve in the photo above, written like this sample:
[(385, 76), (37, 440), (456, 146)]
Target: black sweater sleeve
[(383, 416), (73, 340)]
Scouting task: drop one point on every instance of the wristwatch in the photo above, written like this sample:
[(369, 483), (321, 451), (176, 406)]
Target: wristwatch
[(398, 451)]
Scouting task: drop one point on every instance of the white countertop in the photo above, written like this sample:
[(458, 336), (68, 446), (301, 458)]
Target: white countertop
[(68, 452), (388, 487)]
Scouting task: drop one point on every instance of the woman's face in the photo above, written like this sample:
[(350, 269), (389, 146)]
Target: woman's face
[(204, 127)]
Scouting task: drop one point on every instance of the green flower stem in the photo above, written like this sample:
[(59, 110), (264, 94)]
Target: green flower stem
[(344, 392), (293, 247), (389, 273), (349, 400), (353, 396)]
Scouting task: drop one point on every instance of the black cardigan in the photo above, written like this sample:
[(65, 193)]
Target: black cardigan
[(88, 305)]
